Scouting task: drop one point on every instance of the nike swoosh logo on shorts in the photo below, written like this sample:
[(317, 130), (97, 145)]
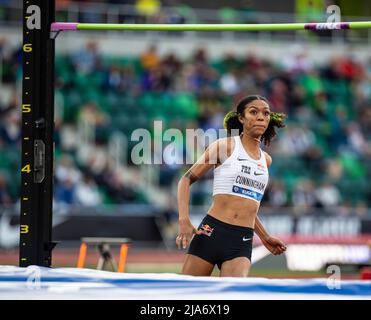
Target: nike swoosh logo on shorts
[(258, 174), (244, 239)]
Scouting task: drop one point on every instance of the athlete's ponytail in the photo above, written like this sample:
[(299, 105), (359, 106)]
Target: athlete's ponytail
[(231, 121), (277, 120)]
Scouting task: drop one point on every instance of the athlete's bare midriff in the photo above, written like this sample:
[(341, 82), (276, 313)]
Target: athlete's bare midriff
[(234, 210)]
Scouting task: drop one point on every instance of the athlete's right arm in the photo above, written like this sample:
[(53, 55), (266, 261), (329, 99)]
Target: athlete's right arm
[(208, 160)]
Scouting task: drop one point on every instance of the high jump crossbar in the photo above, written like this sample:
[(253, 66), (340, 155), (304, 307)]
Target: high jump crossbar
[(75, 26)]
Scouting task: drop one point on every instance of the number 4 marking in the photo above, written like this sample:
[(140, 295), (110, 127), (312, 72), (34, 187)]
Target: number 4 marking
[(26, 168)]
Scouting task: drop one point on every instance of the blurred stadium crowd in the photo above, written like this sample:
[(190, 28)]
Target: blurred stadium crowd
[(321, 160)]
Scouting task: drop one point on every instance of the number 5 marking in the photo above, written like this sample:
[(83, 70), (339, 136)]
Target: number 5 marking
[(26, 108)]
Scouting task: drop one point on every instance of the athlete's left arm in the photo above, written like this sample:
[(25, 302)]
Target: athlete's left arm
[(274, 245), (268, 158)]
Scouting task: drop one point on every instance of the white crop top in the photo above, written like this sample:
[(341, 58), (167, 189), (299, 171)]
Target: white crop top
[(240, 175)]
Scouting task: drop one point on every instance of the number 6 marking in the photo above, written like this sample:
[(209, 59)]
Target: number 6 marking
[(27, 47)]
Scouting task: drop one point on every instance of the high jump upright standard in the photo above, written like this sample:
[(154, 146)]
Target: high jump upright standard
[(36, 244)]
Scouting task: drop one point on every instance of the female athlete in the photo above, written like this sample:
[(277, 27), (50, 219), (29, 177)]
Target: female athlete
[(225, 235)]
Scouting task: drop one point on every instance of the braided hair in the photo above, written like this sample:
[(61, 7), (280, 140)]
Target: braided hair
[(231, 121)]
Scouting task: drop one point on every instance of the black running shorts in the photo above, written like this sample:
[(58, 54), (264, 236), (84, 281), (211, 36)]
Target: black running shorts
[(220, 241)]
